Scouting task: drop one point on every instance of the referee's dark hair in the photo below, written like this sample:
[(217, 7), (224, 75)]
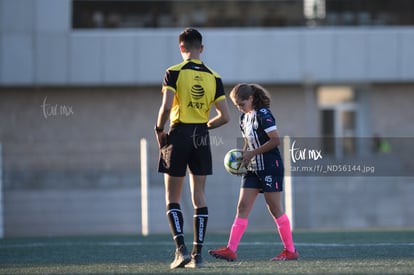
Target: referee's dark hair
[(191, 39)]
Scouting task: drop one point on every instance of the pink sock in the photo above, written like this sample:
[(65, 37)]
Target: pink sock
[(236, 233), (285, 233)]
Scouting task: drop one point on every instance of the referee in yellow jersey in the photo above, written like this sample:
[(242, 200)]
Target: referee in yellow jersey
[(189, 89)]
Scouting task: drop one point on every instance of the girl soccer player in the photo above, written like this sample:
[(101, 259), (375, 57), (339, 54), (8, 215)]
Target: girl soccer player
[(265, 170)]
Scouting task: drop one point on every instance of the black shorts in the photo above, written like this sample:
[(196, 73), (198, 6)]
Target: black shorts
[(266, 181), (188, 145)]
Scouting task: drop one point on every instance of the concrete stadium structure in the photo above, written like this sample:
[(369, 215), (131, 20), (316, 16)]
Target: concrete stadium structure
[(74, 105)]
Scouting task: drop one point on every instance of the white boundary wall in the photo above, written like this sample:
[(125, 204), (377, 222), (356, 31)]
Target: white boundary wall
[(39, 47)]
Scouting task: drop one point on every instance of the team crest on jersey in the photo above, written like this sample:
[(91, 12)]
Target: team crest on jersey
[(198, 78), (264, 111)]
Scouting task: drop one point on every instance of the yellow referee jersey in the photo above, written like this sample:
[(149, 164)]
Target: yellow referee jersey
[(196, 88)]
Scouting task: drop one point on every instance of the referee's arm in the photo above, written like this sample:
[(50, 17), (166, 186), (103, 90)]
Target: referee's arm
[(165, 109), (222, 117), (163, 115)]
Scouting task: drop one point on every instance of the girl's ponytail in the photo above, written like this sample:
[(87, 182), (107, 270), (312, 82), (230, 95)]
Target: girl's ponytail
[(261, 97)]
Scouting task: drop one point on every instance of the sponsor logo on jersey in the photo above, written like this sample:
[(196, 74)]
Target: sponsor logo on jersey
[(197, 92)]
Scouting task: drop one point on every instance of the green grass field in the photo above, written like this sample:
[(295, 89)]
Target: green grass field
[(330, 252)]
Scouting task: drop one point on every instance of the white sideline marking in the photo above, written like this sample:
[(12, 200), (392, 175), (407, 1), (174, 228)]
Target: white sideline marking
[(109, 243)]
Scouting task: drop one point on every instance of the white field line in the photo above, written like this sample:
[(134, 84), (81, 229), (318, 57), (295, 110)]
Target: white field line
[(164, 243)]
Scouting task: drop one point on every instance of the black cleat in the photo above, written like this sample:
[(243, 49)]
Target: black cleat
[(181, 257)]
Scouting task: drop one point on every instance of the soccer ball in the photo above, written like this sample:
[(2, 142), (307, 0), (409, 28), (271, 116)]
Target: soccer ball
[(232, 162)]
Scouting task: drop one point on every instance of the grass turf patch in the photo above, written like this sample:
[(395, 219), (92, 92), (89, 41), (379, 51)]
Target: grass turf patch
[(330, 252)]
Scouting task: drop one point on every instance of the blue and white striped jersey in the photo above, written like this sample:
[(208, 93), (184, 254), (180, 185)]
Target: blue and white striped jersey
[(254, 126)]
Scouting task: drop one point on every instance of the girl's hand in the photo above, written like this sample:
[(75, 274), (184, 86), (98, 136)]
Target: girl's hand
[(247, 157)]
